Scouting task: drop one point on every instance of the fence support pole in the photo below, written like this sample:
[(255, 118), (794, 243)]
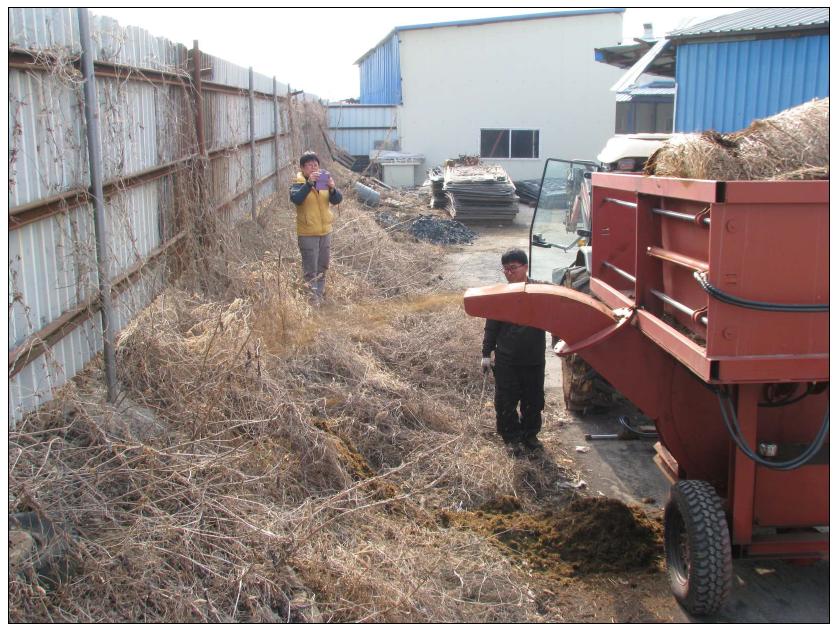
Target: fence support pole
[(252, 139), (91, 115), (277, 134), (198, 98), (294, 152)]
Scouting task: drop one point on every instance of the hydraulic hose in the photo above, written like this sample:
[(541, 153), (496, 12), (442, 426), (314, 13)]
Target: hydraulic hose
[(623, 420), (701, 278), (731, 423), (783, 403)]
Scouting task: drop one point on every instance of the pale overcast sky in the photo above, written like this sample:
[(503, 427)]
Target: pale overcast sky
[(315, 49)]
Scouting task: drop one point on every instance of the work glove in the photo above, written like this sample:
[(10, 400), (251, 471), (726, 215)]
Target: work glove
[(486, 364)]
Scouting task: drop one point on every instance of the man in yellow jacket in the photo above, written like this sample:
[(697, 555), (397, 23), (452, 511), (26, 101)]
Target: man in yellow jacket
[(312, 193)]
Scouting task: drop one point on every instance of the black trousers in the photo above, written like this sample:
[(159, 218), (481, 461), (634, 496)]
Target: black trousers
[(519, 400)]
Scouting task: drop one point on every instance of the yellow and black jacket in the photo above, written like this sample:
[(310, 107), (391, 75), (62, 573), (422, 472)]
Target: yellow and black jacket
[(313, 215)]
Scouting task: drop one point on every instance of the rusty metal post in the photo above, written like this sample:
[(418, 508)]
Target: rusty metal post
[(277, 133), (198, 98), (91, 115), (291, 124), (252, 140)]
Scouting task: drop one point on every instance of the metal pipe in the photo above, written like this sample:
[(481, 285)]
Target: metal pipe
[(253, 203), (620, 272), (197, 58), (623, 203), (677, 258), (679, 216), (277, 132), (672, 214), (677, 305), (97, 192)]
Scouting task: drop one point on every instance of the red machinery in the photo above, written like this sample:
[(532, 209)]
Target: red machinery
[(710, 313)]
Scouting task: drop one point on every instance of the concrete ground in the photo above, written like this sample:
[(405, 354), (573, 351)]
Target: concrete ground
[(763, 591)]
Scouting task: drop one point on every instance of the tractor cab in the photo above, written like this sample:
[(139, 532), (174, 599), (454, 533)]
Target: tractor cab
[(562, 217)]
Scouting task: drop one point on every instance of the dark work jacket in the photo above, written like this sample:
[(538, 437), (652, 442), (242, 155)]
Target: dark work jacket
[(513, 344)]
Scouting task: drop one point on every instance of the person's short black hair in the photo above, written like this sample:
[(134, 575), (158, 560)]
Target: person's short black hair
[(308, 156), (514, 256)]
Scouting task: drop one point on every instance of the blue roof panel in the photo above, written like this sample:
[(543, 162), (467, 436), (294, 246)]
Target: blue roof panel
[(757, 20)]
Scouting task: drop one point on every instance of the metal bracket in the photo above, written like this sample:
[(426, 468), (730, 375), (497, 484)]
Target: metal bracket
[(702, 217), (697, 314), (625, 314)]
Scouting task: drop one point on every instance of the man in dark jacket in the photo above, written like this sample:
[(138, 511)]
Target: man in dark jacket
[(518, 366)]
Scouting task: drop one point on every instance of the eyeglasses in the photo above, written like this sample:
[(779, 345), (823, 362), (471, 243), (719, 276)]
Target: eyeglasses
[(512, 268)]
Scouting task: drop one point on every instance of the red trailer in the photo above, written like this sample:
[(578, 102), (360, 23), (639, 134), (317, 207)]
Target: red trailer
[(709, 311)]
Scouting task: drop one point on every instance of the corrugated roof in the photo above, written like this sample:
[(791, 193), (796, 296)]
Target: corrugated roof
[(508, 18), (756, 21), (645, 91), (478, 21)]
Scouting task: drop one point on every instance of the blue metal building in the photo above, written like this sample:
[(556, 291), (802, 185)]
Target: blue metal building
[(379, 68), (748, 65), (735, 68)]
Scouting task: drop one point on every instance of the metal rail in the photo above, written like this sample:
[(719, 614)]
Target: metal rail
[(681, 216), (620, 272), (622, 203), (678, 305), (676, 258), (666, 212), (36, 344)]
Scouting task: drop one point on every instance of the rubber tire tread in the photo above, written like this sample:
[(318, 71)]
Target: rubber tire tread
[(583, 388), (710, 571)]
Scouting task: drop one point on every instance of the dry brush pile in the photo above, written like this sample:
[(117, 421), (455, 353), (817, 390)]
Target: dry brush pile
[(791, 145), (268, 462)]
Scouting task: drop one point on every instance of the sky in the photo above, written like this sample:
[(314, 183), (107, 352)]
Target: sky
[(314, 49)]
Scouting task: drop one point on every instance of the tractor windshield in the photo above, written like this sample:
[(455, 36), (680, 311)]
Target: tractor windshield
[(562, 209)]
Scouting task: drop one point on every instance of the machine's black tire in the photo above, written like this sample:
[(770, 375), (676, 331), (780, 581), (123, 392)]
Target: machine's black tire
[(697, 541), (583, 388)]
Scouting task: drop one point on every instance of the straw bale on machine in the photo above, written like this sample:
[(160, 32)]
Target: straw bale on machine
[(791, 145)]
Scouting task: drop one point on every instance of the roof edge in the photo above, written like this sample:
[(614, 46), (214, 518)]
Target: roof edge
[(492, 20), (763, 32), (508, 18)]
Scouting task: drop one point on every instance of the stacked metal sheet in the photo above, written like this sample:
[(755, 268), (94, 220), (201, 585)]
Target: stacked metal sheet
[(553, 196), (438, 196), (480, 193)]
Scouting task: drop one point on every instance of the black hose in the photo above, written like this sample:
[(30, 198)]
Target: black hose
[(731, 424), (711, 290), (623, 420), (784, 403)]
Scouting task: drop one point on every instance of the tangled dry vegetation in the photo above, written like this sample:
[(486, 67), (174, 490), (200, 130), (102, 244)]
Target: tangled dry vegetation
[(267, 462), (791, 145)]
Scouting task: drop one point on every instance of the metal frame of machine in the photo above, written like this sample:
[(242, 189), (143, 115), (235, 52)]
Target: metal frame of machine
[(710, 313)]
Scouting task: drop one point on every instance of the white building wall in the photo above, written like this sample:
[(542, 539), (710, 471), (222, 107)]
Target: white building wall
[(530, 74)]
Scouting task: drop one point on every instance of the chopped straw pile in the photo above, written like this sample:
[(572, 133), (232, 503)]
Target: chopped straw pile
[(267, 462), (791, 145)]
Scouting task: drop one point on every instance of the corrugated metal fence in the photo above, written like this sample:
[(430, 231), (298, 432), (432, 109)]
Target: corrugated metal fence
[(176, 142), (359, 129)]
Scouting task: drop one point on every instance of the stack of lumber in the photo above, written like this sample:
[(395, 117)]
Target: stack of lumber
[(480, 193)]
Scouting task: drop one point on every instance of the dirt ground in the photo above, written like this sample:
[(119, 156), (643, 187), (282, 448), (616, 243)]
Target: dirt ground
[(763, 591)]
